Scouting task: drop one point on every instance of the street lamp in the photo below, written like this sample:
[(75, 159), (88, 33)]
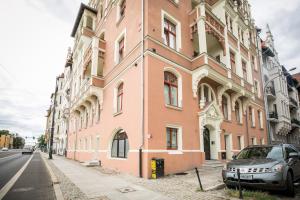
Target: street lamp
[(266, 104)]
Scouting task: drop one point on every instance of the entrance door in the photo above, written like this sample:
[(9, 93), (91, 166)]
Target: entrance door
[(206, 137)]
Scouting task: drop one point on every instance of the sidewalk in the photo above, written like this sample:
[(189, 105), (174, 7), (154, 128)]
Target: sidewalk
[(97, 185)]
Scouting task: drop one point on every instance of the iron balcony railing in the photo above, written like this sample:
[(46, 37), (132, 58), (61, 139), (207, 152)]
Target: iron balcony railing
[(273, 115)]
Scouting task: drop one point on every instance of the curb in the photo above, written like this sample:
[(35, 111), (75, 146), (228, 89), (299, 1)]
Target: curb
[(216, 187), (55, 182)]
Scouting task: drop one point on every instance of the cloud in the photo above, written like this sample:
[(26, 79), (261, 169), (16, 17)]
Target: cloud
[(284, 22)]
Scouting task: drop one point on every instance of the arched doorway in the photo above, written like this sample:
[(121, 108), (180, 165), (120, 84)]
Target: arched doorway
[(206, 137)]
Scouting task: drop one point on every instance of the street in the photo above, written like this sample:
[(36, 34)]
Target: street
[(33, 183)]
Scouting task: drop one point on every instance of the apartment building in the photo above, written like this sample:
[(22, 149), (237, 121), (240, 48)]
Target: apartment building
[(282, 104), (171, 79)]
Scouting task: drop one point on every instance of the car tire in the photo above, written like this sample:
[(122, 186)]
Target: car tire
[(290, 185)]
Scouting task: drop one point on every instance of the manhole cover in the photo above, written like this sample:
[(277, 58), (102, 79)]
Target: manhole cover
[(126, 189)]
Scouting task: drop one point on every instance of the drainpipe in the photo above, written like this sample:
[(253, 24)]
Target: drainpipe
[(142, 92)]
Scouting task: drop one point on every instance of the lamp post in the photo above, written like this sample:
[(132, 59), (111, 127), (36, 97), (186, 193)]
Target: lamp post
[(53, 120), (266, 104)]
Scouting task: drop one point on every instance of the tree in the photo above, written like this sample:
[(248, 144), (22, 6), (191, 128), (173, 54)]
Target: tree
[(4, 132), (42, 141), (18, 142)]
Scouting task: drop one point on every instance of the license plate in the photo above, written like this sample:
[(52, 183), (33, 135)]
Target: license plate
[(244, 176)]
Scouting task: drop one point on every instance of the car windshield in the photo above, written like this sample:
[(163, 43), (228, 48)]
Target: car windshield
[(274, 153)]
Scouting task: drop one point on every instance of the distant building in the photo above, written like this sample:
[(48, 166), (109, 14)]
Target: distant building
[(282, 101), (6, 141)]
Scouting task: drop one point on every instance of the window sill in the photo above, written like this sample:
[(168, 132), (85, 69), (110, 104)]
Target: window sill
[(173, 107), (227, 121), (175, 152), (115, 158), (240, 124), (118, 113), (252, 126)]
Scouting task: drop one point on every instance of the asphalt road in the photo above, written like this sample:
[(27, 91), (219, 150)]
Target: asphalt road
[(10, 165), (4, 154), (34, 183)]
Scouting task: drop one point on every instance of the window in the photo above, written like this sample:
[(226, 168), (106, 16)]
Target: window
[(170, 33), (237, 112), (232, 61), (256, 87), (260, 119), (121, 49), (252, 141), (244, 66), (120, 145), (251, 116), (122, 8), (172, 140), (239, 139), (89, 22), (253, 62), (120, 98), (170, 89), (231, 27), (225, 107)]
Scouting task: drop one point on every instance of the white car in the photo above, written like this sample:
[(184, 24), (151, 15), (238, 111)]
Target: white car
[(4, 149)]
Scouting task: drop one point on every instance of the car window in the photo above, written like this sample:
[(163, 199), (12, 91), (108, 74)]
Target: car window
[(274, 153), (289, 150)]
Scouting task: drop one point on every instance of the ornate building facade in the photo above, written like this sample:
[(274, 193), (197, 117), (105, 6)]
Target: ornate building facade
[(281, 96), (171, 79)]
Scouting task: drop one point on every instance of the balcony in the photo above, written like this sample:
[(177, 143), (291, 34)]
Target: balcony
[(90, 58), (273, 117), (293, 103), (295, 123), (270, 92), (92, 86)]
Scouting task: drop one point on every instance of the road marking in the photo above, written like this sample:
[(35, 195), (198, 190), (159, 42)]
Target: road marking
[(14, 155), (13, 180)]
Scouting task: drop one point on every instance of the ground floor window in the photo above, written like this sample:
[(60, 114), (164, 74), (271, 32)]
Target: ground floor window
[(120, 145), (172, 138)]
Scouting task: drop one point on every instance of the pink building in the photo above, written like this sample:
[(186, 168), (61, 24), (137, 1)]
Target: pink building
[(172, 79)]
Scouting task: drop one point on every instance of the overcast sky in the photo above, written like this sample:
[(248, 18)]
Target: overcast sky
[(35, 36)]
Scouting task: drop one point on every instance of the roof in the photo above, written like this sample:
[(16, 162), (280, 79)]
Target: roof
[(79, 15)]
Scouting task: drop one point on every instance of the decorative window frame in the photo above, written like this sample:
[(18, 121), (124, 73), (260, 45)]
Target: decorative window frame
[(179, 86), (165, 15), (260, 118), (115, 97), (228, 106), (179, 150), (119, 17), (110, 141), (116, 53)]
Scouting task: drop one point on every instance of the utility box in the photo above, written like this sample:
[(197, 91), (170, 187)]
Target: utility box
[(157, 168)]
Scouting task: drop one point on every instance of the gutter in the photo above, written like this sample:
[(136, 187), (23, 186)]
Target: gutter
[(143, 99)]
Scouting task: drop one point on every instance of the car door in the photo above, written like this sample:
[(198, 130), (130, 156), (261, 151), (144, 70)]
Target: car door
[(294, 163)]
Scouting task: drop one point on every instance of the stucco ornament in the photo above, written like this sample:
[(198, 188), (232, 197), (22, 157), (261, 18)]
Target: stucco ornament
[(197, 77)]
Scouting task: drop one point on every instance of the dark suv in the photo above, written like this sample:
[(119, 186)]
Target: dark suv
[(265, 167)]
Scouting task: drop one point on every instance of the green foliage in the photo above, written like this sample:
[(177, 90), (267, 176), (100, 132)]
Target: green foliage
[(250, 195), (18, 143), (4, 132), (42, 141)]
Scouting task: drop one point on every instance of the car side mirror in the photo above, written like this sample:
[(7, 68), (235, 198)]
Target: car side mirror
[(293, 155), (234, 157)]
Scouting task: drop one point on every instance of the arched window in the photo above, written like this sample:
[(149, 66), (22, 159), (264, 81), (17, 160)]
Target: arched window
[(206, 95), (120, 145), (237, 112), (170, 89), (225, 107), (120, 98)]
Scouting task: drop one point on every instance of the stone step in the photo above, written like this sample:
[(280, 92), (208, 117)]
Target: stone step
[(91, 163), (212, 164)]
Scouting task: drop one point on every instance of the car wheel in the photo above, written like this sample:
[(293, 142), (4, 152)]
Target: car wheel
[(290, 185)]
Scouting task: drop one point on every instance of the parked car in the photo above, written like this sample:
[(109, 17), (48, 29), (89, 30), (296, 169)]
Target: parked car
[(4, 149), (271, 167), (28, 149)]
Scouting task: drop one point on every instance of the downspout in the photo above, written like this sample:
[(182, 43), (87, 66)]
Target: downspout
[(142, 93)]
